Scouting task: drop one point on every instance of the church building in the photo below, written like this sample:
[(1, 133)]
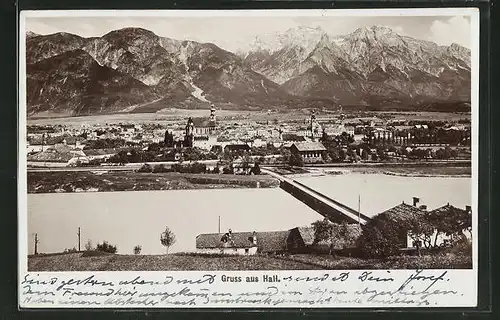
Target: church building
[(201, 132)]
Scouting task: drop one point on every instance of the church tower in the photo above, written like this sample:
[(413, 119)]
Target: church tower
[(314, 125)]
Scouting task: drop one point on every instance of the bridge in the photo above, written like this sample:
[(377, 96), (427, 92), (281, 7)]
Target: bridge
[(324, 205)]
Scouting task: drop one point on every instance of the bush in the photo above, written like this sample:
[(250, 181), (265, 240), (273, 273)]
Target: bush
[(70, 250), (145, 168), (137, 249), (160, 168), (190, 168), (106, 247)]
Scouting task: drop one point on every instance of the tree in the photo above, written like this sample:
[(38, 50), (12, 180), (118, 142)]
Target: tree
[(381, 237), (255, 169), (450, 221), (285, 155), (245, 163), (106, 247), (137, 249), (88, 245), (326, 157), (296, 160), (420, 231), (338, 236), (167, 238)]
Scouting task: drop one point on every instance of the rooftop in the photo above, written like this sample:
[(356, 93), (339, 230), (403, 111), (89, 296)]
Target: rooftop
[(401, 212), (309, 146)]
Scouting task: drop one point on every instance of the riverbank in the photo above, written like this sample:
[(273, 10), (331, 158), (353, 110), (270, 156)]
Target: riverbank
[(404, 170), (190, 262), (88, 181)]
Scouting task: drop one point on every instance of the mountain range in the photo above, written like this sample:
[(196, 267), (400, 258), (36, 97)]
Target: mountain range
[(135, 70)]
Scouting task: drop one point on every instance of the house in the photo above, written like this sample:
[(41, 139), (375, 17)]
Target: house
[(243, 243), (452, 214), (400, 215), (310, 151)]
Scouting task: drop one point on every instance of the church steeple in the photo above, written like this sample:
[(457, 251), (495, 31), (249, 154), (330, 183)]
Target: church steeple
[(313, 125)]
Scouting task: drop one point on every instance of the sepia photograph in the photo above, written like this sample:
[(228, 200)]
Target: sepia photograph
[(249, 142)]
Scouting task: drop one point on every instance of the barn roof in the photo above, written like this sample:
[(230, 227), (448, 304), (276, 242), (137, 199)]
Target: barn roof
[(309, 146), (266, 241), (307, 234)]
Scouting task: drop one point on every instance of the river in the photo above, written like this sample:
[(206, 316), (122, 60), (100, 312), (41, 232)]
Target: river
[(127, 219)]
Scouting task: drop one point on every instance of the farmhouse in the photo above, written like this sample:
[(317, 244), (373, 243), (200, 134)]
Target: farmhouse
[(243, 243), (401, 215)]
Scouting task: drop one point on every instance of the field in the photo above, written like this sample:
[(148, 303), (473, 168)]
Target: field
[(79, 181), (174, 114), (114, 262)]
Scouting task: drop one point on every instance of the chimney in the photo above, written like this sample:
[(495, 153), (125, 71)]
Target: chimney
[(415, 201), (468, 208), (254, 238)]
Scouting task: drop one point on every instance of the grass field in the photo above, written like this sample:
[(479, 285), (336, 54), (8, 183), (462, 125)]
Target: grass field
[(75, 262), (76, 181), (112, 262)]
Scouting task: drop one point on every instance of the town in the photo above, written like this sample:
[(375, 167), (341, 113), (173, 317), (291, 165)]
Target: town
[(228, 146)]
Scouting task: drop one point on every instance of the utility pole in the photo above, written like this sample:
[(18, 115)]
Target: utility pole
[(36, 243), (78, 239), (219, 224), (359, 210)]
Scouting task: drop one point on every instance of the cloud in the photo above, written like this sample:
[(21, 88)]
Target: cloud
[(453, 30)]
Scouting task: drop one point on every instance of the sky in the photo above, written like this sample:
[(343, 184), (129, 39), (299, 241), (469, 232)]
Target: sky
[(236, 33)]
